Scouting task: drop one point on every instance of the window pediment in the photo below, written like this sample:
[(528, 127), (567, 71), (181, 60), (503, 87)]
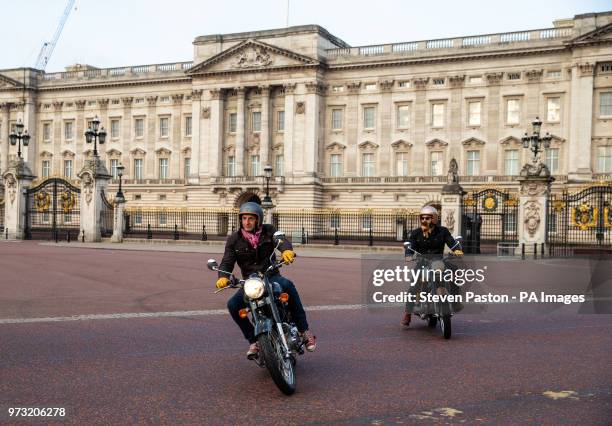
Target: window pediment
[(138, 152), (472, 142), (163, 151), (335, 146), (436, 143), (68, 154), (401, 144), (367, 145), (510, 140)]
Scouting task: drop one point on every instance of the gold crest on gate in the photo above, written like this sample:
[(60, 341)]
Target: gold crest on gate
[(584, 216), (67, 201), (42, 201)]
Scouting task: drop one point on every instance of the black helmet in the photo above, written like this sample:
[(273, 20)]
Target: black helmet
[(251, 208)]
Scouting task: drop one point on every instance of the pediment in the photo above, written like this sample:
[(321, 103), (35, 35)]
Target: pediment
[(186, 150), (472, 141), (163, 151), (67, 153), (252, 55), (557, 139), (113, 152), (598, 35), (334, 146), (46, 154), (138, 151), (9, 83), (510, 140), (401, 144), (367, 145), (436, 143)]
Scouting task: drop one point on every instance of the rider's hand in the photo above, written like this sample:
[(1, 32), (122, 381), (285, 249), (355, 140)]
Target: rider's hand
[(288, 256), (222, 282), (458, 253)]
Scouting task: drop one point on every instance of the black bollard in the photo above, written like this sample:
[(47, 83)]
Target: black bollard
[(67, 236), (336, 240), (535, 250), (149, 232), (83, 237), (176, 234), (303, 236), (204, 235), (371, 238), (522, 251)]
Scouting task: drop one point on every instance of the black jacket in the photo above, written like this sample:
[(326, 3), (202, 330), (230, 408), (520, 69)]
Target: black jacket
[(434, 243), (250, 260)]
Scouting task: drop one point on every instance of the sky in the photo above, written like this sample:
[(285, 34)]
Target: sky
[(114, 33)]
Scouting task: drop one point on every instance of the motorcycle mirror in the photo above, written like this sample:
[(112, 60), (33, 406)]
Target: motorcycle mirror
[(212, 264), (459, 238), (279, 235), (407, 244)]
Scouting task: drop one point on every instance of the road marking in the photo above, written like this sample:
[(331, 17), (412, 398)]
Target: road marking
[(207, 312)]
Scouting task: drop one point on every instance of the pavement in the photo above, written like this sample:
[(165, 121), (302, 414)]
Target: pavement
[(138, 337)]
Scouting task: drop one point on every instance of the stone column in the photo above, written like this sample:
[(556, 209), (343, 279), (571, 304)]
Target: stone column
[(176, 136), (489, 157), (387, 116), (420, 168), (352, 129), (17, 179), (80, 142), (118, 222), (126, 135), (288, 133), (4, 137), (215, 142), (310, 152), (197, 114), (264, 139), (240, 121), (452, 201), (94, 179), (532, 217), (581, 122), (150, 168)]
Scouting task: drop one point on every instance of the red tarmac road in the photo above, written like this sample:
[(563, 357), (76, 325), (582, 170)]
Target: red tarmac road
[(504, 369)]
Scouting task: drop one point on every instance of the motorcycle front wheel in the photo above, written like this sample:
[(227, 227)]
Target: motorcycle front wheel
[(281, 369), (445, 326)]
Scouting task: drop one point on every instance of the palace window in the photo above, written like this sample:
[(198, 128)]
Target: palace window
[(163, 168), (68, 130), (231, 166), (279, 162), (435, 163), (604, 159), (46, 168), (187, 168), (553, 109), (114, 163), (552, 159), (473, 163), (513, 111), (254, 165), (68, 169), (368, 117), (280, 121), (511, 161), (256, 117), (335, 165), (336, 119), (368, 165), (233, 117), (139, 127), (403, 116), (437, 115), (138, 168), (46, 132), (114, 129), (605, 104), (401, 164), (474, 110), (164, 123), (188, 122)]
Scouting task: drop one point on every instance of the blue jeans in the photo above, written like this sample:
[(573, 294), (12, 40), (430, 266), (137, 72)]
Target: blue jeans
[(236, 303)]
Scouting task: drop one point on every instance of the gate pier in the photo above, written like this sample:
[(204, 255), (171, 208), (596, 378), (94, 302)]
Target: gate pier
[(17, 178)]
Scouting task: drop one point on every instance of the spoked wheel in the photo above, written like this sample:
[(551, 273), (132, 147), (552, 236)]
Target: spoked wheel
[(445, 326), (280, 369)]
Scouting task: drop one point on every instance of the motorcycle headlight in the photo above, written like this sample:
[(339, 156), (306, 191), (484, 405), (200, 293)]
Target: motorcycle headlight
[(253, 288), (438, 265)]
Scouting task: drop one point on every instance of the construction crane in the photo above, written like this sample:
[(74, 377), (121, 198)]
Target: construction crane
[(47, 49)]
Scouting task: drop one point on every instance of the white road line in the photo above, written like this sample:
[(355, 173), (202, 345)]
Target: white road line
[(156, 314)]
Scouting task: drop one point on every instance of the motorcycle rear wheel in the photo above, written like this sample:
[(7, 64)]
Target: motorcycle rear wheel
[(280, 369), (445, 326)]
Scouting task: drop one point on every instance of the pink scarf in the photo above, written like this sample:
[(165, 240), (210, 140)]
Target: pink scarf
[(252, 237)]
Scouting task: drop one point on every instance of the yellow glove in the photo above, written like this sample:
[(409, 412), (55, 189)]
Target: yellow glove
[(222, 282), (288, 256), (458, 253)]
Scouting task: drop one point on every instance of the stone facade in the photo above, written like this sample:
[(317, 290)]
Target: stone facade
[(342, 126)]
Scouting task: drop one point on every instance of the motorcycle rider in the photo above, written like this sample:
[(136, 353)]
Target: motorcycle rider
[(429, 239), (251, 246)]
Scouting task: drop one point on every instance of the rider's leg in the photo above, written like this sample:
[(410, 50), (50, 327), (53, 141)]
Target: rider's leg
[(234, 305), (297, 311)]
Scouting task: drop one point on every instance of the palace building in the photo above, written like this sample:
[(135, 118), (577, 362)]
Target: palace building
[(341, 126)]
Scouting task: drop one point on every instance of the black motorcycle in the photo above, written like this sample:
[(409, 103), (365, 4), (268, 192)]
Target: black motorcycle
[(433, 310), (277, 336)]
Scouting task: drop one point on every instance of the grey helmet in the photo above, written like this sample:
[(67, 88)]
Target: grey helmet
[(251, 208), (429, 210)]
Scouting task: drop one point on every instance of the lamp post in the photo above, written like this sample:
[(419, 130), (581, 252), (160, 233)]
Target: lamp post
[(92, 134), (535, 142), (120, 169), (267, 201), (19, 136)]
